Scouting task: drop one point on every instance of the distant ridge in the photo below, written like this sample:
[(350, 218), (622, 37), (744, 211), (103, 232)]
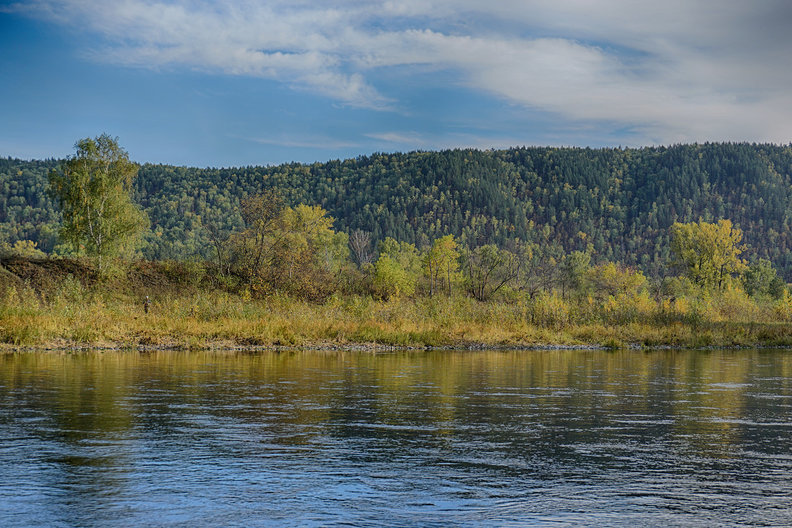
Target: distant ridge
[(617, 201)]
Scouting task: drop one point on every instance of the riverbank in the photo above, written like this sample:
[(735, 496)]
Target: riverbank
[(66, 347), (62, 304), (232, 323)]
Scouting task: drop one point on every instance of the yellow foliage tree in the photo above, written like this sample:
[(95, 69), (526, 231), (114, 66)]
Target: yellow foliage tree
[(441, 263), (294, 250), (709, 253), (610, 279)]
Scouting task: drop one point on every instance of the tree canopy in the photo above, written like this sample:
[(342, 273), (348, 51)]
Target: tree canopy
[(621, 202), (93, 190), (709, 253)]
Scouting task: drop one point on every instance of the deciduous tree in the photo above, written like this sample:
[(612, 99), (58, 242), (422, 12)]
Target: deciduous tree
[(397, 269), (360, 244), (761, 279), (287, 249), (610, 279), (488, 268), (708, 253), (441, 263), (573, 271), (93, 189)]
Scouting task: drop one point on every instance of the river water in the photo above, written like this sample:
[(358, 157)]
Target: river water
[(578, 438)]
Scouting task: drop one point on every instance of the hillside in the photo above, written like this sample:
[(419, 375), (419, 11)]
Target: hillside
[(620, 201)]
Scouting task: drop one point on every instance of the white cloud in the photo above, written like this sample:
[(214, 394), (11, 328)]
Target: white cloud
[(399, 138), (677, 70)]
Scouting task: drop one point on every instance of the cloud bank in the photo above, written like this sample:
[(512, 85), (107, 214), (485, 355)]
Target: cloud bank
[(669, 72)]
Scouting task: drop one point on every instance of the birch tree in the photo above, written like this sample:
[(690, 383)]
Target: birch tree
[(93, 190), (441, 263)]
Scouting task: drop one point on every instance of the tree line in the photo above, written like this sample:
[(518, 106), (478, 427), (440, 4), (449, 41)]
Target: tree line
[(296, 250), (611, 205)]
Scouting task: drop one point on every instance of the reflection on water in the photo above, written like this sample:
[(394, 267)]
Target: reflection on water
[(407, 438)]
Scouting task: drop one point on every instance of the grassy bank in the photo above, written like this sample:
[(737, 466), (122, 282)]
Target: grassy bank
[(64, 303)]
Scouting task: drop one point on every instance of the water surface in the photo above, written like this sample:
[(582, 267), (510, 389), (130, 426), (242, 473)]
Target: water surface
[(629, 438)]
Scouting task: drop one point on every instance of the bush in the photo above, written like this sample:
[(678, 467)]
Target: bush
[(549, 310), (626, 308)]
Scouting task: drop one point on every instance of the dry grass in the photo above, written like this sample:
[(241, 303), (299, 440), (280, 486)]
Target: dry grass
[(39, 308), (204, 319)]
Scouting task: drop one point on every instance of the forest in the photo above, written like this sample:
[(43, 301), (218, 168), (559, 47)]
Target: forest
[(679, 246), (616, 204)]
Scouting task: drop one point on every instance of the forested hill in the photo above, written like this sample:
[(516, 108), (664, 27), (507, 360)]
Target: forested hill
[(619, 201)]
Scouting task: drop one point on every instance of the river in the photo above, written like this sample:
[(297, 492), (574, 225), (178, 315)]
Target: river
[(424, 438)]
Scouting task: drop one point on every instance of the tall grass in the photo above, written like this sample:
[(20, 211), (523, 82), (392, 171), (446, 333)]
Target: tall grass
[(70, 312)]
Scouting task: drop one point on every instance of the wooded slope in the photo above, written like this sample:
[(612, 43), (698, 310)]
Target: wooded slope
[(620, 201)]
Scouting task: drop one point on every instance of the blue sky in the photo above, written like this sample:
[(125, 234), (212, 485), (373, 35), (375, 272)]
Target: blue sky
[(206, 83)]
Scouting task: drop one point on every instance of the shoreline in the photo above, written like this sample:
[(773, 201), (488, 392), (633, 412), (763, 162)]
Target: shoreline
[(230, 347)]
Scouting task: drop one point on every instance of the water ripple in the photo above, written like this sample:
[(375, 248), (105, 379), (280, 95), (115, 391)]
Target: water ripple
[(404, 439)]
